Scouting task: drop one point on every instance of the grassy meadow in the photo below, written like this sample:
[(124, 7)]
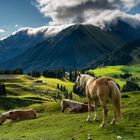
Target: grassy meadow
[(52, 124), (115, 71)]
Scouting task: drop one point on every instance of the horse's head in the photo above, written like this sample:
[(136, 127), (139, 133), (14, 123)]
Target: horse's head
[(78, 82), (2, 119)]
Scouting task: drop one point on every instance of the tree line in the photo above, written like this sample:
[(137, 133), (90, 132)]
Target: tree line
[(67, 95), (2, 89), (14, 71), (70, 75)]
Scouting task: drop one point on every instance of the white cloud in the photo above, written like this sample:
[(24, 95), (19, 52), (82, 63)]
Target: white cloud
[(16, 26), (2, 30), (104, 19), (128, 4), (97, 12), (44, 30)]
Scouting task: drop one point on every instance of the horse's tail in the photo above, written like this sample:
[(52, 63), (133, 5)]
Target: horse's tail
[(116, 97)]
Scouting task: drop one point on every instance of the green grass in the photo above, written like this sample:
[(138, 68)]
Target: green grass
[(53, 83), (115, 71), (52, 124)]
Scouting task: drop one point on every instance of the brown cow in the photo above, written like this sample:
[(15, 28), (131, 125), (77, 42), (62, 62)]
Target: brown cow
[(76, 107), (17, 115)]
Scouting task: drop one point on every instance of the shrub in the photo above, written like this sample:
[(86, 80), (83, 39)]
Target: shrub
[(66, 94), (70, 96), (125, 75), (2, 90), (130, 86)]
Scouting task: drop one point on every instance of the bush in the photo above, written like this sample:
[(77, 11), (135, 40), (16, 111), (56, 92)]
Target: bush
[(2, 90), (130, 86), (70, 96), (66, 94), (125, 75)]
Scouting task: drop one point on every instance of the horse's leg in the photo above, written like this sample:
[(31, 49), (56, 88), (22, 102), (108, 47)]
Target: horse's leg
[(115, 116), (104, 106), (89, 109), (95, 115)]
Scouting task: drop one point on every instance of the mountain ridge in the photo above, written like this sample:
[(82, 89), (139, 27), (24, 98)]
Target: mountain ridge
[(71, 47), (127, 55)]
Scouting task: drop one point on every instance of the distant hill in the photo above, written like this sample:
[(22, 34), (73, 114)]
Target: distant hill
[(69, 46), (126, 32), (72, 47), (127, 55), (23, 39)]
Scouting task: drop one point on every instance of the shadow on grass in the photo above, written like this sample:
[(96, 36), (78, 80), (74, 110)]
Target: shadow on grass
[(7, 103), (36, 98)]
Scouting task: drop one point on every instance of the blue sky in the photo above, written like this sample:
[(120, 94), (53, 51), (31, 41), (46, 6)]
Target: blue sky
[(19, 13), (15, 14)]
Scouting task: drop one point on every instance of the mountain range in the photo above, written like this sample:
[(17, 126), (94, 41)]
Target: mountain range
[(25, 38), (73, 46), (127, 55)]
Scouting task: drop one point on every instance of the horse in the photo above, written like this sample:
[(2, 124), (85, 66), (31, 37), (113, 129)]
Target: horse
[(76, 107), (17, 115), (100, 90)]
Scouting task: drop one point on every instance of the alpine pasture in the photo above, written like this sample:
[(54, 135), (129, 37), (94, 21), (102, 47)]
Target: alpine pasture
[(52, 124)]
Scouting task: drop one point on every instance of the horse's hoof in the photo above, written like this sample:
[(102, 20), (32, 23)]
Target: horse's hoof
[(113, 122), (102, 125), (87, 120), (96, 120)]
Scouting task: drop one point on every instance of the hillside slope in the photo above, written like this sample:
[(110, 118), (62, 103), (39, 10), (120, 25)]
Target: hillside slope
[(126, 32), (127, 55), (115, 71), (72, 47), (50, 119), (24, 38)]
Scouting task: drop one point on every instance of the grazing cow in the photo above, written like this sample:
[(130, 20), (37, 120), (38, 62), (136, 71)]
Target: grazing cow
[(17, 115), (74, 106), (101, 90)]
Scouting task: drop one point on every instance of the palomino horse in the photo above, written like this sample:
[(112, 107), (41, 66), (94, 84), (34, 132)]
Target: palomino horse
[(101, 90), (76, 107), (17, 115)]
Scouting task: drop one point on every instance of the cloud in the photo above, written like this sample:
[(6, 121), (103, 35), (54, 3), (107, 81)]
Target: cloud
[(16, 26), (2, 30), (44, 30), (96, 12), (107, 18), (128, 4)]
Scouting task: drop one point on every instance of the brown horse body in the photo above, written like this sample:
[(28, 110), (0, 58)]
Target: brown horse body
[(18, 115), (101, 90)]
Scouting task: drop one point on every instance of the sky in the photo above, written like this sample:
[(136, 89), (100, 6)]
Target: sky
[(16, 14)]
